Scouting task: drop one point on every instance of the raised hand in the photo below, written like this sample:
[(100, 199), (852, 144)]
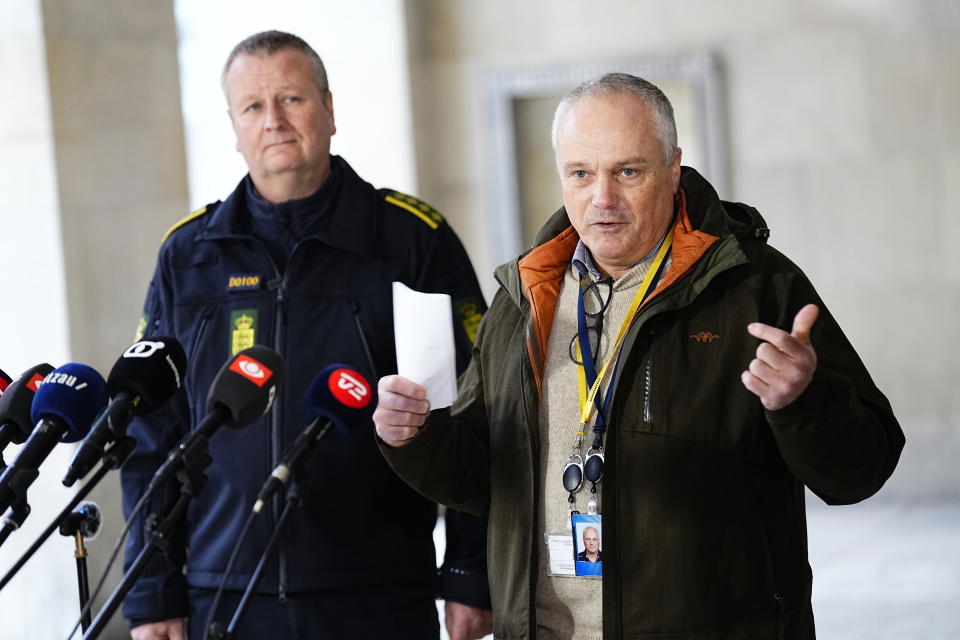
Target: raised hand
[(785, 362)]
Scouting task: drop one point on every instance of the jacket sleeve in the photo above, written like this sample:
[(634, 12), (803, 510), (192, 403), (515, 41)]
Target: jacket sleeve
[(161, 592), (449, 460), (463, 576), (840, 437)]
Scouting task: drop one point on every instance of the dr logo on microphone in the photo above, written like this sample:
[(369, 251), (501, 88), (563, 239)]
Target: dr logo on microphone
[(251, 370)]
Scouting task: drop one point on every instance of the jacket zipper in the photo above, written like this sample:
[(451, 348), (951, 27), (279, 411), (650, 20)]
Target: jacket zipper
[(276, 417), (648, 391), (276, 428), (534, 359), (276, 437), (781, 623)]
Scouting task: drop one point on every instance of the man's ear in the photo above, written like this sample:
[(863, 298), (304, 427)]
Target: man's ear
[(233, 125), (328, 105), (675, 168)]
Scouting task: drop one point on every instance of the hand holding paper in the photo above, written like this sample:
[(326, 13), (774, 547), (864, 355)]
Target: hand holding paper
[(423, 331)]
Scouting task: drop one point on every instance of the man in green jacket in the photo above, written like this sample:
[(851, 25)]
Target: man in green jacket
[(652, 367)]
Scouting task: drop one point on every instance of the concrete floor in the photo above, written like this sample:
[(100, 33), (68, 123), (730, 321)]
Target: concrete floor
[(881, 571), (885, 571)]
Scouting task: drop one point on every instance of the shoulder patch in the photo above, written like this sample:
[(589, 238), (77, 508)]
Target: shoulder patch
[(430, 216), (141, 327), (470, 312), (193, 216)]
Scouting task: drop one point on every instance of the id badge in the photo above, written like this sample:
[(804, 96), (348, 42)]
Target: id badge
[(561, 553), (587, 544)]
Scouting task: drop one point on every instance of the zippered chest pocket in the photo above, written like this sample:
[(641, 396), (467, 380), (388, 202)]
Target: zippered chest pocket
[(687, 385)]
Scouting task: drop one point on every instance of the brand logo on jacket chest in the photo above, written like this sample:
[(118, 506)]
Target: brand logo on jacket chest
[(704, 337)]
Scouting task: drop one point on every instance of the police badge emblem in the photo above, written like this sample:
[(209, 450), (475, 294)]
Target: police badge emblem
[(243, 325)]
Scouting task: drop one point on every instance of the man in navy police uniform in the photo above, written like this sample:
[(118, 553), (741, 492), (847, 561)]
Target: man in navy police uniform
[(300, 258)]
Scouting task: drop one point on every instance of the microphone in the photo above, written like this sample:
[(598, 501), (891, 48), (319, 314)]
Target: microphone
[(145, 377), (15, 406), (243, 390), (5, 381), (339, 398), (63, 409)]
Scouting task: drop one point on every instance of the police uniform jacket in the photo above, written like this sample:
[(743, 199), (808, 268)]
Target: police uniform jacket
[(217, 290)]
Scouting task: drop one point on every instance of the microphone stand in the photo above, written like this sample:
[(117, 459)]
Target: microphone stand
[(73, 528), (195, 459), (113, 458), (216, 630)]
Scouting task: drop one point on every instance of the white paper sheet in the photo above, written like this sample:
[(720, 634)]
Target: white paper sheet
[(423, 331)]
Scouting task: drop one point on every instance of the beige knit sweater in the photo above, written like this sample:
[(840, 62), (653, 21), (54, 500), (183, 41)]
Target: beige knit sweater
[(570, 607)]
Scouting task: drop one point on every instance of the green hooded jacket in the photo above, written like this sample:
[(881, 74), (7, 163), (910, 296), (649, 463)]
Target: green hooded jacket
[(703, 499)]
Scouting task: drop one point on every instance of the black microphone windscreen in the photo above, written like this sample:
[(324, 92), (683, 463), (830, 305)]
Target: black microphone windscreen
[(342, 394), (5, 381), (16, 401), (151, 369), (75, 393), (247, 385)]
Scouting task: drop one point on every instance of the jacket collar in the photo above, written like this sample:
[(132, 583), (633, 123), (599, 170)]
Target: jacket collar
[(351, 225), (702, 220), (706, 214)]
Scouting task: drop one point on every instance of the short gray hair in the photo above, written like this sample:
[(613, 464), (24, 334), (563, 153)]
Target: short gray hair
[(269, 42), (610, 85)]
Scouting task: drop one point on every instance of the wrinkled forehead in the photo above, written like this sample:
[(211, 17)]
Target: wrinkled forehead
[(251, 73), (596, 127), (286, 58), (588, 114)]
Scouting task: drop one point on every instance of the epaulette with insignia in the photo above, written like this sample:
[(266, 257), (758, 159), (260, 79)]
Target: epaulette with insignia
[(193, 216), (419, 208)]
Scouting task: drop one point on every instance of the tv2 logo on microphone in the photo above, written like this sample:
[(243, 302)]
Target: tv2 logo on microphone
[(251, 370), (350, 388)]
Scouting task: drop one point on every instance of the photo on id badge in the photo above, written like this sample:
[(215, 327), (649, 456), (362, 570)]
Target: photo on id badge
[(587, 544)]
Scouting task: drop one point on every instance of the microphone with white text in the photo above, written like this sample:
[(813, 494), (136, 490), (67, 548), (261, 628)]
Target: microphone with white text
[(145, 377), (63, 408), (243, 390), (15, 423), (339, 398)]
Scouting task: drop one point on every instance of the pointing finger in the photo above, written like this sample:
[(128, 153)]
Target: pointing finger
[(794, 343)]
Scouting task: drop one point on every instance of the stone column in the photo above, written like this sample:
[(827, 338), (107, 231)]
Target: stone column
[(92, 170)]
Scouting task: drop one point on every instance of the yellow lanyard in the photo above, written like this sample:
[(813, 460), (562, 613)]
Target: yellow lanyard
[(587, 404)]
